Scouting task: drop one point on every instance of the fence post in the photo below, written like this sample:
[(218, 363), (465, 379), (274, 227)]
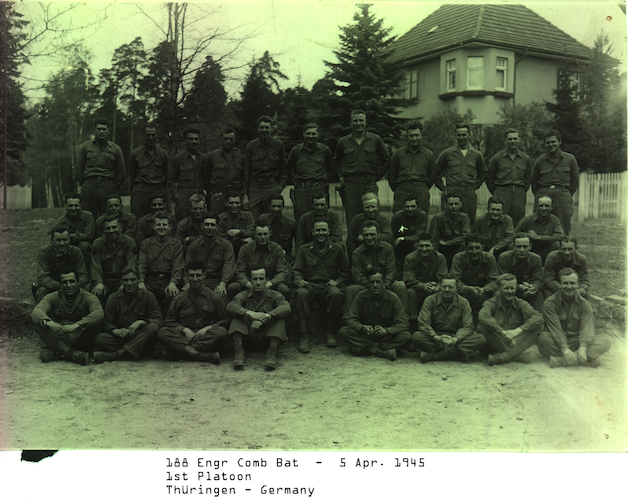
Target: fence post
[(583, 198), (623, 194)]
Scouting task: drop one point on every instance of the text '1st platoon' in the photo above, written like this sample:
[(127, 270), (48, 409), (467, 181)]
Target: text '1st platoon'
[(174, 474)]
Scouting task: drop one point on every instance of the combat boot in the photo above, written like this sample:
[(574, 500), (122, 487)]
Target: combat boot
[(102, 356), (48, 355), (272, 354), (331, 340), (77, 357), (304, 346), (200, 356), (239, 353), (388, 354)]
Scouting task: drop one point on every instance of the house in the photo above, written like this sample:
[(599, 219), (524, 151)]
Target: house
[(480, 56)]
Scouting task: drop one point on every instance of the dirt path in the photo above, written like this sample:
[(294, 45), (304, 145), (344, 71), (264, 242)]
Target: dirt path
[(326, 400)]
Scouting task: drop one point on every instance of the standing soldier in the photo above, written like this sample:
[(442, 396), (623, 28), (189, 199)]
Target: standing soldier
[(556, 174), (265, 168), (80, 225), (310, 164), (464, 169), (412, 169), (148, 171), (100, 169), (226, 170), (184, 178), (361, 159), (509, 176)]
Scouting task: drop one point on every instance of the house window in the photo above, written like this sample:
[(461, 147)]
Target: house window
[(501, 74), (411, 85), (475, 72), (450, 75)]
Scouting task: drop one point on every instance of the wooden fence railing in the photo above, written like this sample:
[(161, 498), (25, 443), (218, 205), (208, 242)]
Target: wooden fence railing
[(603, 195)]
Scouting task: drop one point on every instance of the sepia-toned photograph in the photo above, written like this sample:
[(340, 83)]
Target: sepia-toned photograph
[(281, 225)]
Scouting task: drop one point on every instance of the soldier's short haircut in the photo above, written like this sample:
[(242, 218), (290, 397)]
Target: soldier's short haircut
[(447, 195), (567, 271), (161, 215), (210, 214), (448, 275), (321, 221), (129, 269), (110, 218), (69, 269), (414, 124), (569, 239), (357, 111), (264, 118), (473, 237), (159, 195), (232, 193), (275, 197), (262, 223), (411, 196), (72, 195), (114, 196), (59, 229), (462, 125), (227, 130), (149, 125), (310, 125), (196, 198), (371, 270), (194, 265), (256, 269), (506, 276), (369, 195), (521, 235), (319, 195), (510, 131), (495, 200), (190, 130), (425, 236), (369, 223), (552, 132), (544, 197), (103, 122)]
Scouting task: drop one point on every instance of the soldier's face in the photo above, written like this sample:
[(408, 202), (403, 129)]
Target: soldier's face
[(453, 205), (522, 247), (507, 290), (370, 236), (569, 285), (461, 135), (73, 207), (275, 208), (474, 250), (210, 227), (552, 144), (320, 231), (192, 142), (228, 140), (568, 251), (358, 122), (411, 207), (101, 131), (310, 136), (60, 242), (259, 280), (544, 207), (376, 284), (114, 206), (69, 284), (413, 137), (150, 136), (262, 235), (234, 204), (130, 283), (320, 206), (425, 248), (264, 130), (158, 204), (495, 210), (161, 226), (448, 288), (512, 141), (197, 209), (195, 278), (370, 208), (112, 230)]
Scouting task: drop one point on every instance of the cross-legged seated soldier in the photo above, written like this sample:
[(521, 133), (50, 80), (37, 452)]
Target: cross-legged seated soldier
[(67, 321), (161, 262), (132, 321), (320, 270), (258, 316), (422, 273), (445, 325), (110, 254), (376, 323), (196, 322), (569, 337), (509, 324), (55, 257)]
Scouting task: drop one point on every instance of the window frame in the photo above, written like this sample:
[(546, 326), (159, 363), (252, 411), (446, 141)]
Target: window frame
[(504, 70), (475, 70), (451, 70)]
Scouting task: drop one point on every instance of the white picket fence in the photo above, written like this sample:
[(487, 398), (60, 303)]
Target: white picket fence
[(603, 196), (18, 198)]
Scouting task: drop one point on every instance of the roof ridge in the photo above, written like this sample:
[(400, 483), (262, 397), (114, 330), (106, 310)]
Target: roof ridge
[(479, 21)]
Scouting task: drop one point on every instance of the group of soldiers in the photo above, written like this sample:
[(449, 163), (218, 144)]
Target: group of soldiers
[(208, 252)]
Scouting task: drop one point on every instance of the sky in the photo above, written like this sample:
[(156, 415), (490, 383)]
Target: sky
[(299, 34)]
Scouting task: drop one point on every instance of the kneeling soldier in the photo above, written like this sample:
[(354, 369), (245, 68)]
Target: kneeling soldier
[(132, 321), (67, 321), (569, 337), (377, 323), (258, 320), (509, 324), (196, 322), (445, 325), (320, 270)]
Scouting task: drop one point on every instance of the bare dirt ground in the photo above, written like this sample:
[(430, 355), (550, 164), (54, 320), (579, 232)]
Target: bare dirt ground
[(325, 400)]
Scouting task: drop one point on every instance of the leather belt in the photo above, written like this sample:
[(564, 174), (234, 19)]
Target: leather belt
[(304, 184), (558, 187)]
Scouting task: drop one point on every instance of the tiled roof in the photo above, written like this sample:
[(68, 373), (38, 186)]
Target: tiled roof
[(505, 25)]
